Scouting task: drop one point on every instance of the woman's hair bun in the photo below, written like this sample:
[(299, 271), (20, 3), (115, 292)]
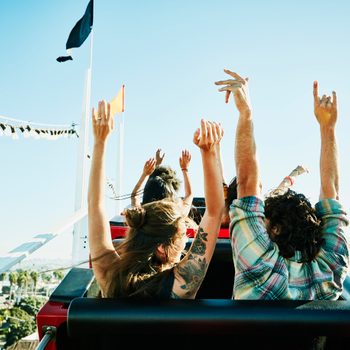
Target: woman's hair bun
[(135, 217)]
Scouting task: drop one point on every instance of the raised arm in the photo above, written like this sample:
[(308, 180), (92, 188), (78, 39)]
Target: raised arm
[(101, 247), (220, 162), (184, 161), (148, 169), (191, 270), (326, 113), (245, 150)]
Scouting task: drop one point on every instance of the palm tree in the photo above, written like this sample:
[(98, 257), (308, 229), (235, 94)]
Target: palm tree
[(26, 281), (2, 276), (13, 276), (21, 281), (34, 276), (58, 274)]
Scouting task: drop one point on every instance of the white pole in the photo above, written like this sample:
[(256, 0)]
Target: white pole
[(80, 246), (120, 162)]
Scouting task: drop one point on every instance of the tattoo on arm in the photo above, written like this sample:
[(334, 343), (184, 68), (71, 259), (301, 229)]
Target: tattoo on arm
[(193, 272), (174, 296)]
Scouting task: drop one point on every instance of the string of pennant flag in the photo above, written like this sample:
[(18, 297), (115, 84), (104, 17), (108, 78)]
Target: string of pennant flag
[(13, 128)]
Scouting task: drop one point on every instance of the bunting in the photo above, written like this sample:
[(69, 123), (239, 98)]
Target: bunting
[(13, 128)]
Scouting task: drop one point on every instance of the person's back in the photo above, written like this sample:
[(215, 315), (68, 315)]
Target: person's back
[(283, 248)]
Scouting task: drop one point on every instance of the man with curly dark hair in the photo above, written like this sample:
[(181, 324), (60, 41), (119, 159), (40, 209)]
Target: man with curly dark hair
[(283, 248)]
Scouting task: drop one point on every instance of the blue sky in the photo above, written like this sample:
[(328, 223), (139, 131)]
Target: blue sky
[(168, 53)]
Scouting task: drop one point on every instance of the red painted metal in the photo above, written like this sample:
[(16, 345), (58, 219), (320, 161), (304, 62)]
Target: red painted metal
[(118, 231), (51, 314)]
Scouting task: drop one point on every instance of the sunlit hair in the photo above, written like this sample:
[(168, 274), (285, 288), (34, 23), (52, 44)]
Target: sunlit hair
[(162, 183), (296, 223), (139, 271)]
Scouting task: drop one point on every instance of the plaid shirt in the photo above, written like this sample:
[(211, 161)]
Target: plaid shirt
[(261, 273)]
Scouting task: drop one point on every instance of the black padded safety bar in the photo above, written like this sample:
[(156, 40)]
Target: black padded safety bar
[(89, 317), (75, 284)]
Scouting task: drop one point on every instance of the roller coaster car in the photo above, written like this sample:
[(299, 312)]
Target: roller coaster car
[(74, 318)]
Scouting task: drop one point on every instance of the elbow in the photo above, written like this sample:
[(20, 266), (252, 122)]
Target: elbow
[(329, 192), (216, 210), (248, 186)]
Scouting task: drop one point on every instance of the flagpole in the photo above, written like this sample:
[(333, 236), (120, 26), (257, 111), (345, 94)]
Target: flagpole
[(120, 163), (80, 234)]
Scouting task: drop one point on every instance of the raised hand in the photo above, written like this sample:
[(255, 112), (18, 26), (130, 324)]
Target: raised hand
[(207, 136), (185, 159), (239, 87), (159, 157), (149, 166), (325, 108), (102, 121)]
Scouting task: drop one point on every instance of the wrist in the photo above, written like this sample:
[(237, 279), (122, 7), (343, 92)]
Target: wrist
[(99, 144), (327, 128), (184, 169)]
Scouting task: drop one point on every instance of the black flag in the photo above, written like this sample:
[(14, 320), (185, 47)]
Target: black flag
[(80, 32)]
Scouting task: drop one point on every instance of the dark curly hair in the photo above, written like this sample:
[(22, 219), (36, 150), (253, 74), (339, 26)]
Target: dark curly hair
[(296, 223)]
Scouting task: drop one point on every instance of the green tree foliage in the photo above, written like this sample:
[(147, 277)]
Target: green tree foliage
[(20, 324), (58, 274), (2, 276), (31, 305)]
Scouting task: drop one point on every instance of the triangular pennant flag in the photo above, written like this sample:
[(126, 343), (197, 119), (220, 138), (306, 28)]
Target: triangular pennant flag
[(117, 103), (80, 31)]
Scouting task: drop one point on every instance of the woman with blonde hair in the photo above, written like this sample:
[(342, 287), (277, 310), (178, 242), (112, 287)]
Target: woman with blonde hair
[(150, 262)]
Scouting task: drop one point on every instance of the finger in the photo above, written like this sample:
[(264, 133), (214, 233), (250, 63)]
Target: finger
[(235, 83), (227, 96), (215, 132), (109, 117), (230, 88), (219, 131), (334, 94), (227, 82), (94, 115), (235, 75), (104, 110), (204, 129), (210, 132), (316, 99), (196, 137)]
